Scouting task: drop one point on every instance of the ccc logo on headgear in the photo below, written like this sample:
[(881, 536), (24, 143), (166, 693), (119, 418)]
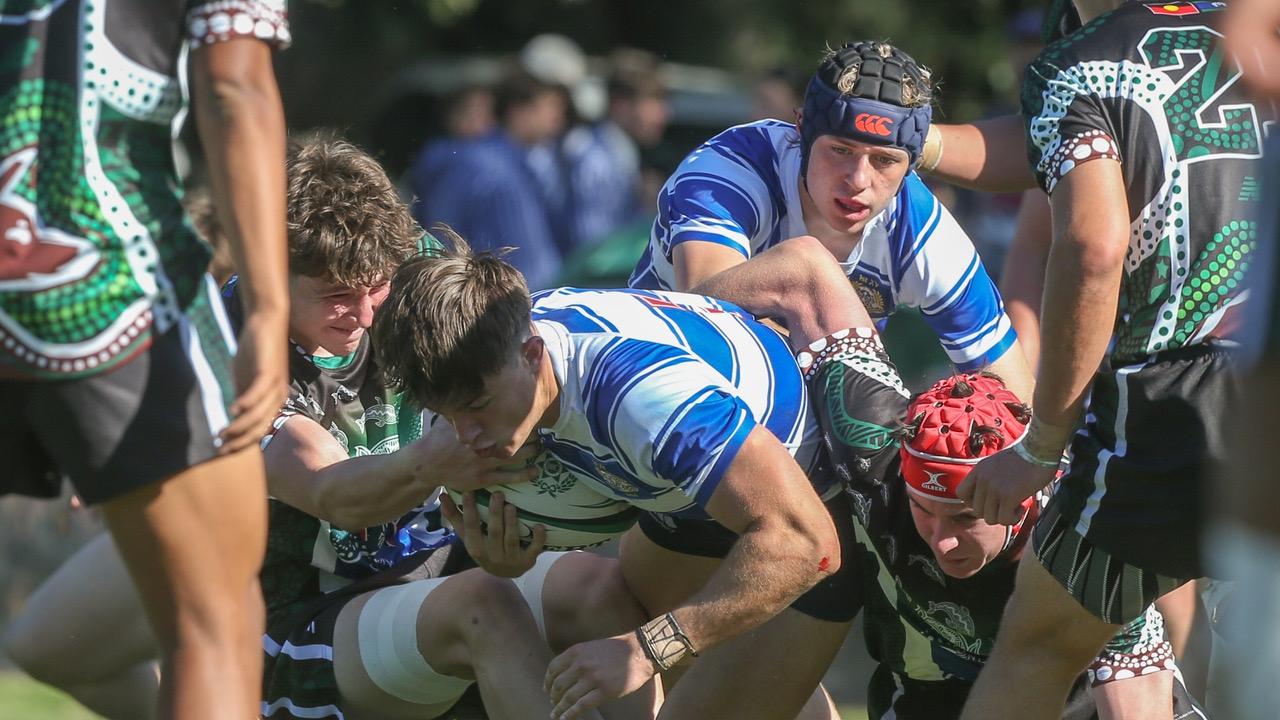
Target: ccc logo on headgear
[(872, 124)]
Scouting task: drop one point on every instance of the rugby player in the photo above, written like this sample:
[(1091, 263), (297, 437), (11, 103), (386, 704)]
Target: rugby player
[(933, 576), (843, 174), (372, 610), (680, 405), (117, 367), (1147, 145)]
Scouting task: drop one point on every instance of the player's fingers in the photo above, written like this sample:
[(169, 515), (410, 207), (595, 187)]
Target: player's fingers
[(585, 704), (526, 453), (511, 532), (497, 526), (567, 706), (966, 488), (472, 535), (451, 512), (559, 675)]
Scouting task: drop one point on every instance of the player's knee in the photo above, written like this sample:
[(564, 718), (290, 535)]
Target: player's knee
[(495, 611)]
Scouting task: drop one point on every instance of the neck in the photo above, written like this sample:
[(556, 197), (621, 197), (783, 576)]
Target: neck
[(548, 392)]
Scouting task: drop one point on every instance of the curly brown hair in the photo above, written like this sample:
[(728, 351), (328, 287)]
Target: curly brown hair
[(453, 318), (347, 224)]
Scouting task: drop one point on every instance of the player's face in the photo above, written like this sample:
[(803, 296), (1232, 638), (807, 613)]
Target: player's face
[(850, 182), (508, 410), (962, 542), (326, 316)]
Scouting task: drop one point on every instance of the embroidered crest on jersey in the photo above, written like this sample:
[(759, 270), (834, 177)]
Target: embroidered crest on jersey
[(553, 478), (873, 297)]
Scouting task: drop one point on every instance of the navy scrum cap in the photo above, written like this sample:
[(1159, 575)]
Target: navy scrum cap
[(873, 110)]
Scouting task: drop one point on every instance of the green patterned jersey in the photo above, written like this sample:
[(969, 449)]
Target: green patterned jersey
[(1149, 85), (95, 251)]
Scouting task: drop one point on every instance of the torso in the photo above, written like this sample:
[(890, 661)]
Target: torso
[(98, 252), (1188, 138), (658, 390)]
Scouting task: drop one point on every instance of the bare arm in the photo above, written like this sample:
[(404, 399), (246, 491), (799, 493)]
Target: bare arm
[(1082, 289), (1022, 281), (786, 544), (1082, 292), (985, 155), (308, 469), (695, 261), (797, 281), (241, 124)]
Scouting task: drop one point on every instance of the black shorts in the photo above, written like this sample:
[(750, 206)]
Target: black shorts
[(136, 424), (297, 646), (836, 598), (1154, 434)]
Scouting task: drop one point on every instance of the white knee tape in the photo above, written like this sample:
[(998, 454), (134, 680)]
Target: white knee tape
[(530, 585), (388, 638)]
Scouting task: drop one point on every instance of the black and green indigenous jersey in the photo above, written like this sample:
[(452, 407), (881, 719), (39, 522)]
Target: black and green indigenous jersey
[(1148, 84), (95, 250), (306, 556), (929, 632)]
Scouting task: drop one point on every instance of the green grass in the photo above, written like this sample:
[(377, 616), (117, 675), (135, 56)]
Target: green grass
[(22, 698)]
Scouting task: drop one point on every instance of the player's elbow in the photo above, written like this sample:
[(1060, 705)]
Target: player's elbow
[(817, 545)]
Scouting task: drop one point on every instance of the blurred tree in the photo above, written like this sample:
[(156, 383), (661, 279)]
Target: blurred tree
[(346, 51)]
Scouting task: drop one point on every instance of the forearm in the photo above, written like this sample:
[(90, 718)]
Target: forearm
[(768, 567), (1015, 371), (985, 155), (1080, 302), (365, 491), (798, 282), (241, 123)]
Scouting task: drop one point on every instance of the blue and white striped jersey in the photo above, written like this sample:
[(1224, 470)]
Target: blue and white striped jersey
[(659, 390), (740, 189)]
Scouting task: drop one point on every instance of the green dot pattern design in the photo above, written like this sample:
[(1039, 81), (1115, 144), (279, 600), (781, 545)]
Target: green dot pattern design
[(1216, 278), (45, 113)]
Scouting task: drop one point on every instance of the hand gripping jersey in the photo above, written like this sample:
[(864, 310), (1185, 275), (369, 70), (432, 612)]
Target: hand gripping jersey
[(1149, 85), (741, 190), (95, 250), (659, 390)]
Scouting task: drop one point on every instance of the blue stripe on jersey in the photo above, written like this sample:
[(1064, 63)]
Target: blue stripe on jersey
[(919, 224), (753, 150), (965, 278), (686, 444), (714, 202)]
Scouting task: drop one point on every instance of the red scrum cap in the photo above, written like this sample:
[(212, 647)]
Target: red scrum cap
[(953, 425)]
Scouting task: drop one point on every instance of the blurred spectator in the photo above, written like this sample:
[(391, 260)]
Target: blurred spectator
[(606, 190), (777, 95), (470, 113), (484, 187)]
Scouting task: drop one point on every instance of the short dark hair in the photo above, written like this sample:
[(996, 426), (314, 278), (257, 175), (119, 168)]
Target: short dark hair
[(347, 223), (635, 74), (452, 318), (517, 89)]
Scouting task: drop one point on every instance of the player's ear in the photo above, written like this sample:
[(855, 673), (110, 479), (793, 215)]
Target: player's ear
[(799, 118), (531, 351)]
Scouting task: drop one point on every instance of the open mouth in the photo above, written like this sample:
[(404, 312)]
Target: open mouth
[(852, 209)]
